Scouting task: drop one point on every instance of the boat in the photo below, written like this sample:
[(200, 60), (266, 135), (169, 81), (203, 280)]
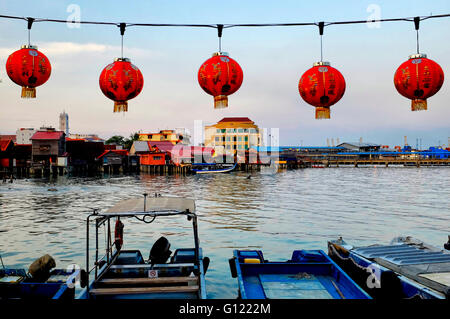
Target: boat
[(212, 168), (125, 274), (42, 283), (309, 274), (406, 268)]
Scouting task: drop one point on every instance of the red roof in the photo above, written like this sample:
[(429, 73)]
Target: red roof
[(4, 144), (120, 152), (163, 146), (46, 135), (8, 137), (235, 119)]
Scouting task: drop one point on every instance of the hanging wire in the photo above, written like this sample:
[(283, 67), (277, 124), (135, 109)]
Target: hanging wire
[(227, 25), (321, 48), (220, 27), (29, 24), (121, 47), (219, 34), (417, 41), (321, 26), (416, 26), (122, 27)]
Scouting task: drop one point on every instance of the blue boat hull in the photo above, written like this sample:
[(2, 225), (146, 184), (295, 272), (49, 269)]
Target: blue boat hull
[(208, 169), (309, 274), (16, 284), (379, 281), (128, 278)]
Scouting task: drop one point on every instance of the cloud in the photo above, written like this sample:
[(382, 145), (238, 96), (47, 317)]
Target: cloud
[(63, 49)]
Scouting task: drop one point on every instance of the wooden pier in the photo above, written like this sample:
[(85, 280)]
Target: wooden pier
[(165, 169), (385, 162)]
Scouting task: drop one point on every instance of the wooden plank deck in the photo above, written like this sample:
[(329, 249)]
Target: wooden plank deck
[(149, 281), (143, 290)]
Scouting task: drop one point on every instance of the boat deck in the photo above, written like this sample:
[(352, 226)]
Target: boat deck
[(417, 269), (308, 275)]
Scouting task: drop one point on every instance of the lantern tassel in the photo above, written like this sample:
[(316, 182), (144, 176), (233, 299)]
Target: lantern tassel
[(220, 101), (322, 113), (418, 105), (120, 106), (28, 93)]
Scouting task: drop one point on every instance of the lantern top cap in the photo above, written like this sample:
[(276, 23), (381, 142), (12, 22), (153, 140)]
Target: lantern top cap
[(220, 53), (122, 60), (321, 63), (417, 56), (29, 46)]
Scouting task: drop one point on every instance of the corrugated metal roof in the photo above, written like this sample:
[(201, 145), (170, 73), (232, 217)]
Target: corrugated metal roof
[(358, 144), (403, 254), (141, 146)]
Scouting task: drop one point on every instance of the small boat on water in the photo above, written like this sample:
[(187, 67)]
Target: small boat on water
[(39, 282), (407, 268), (125, 274), (309, 274), (212, 168)]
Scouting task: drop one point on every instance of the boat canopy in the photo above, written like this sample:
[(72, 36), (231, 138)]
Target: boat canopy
[(152, 204)]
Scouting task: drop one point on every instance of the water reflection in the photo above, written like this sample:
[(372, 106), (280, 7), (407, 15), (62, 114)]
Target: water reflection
[(274, 212)]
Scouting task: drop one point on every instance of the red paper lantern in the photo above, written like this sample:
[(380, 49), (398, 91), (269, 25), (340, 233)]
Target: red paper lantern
[(418, 79), (28, 68), (322, 86), (220, 76), (121, 81)]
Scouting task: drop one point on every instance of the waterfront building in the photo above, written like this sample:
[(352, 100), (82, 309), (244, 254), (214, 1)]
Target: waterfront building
[(176, 136), (157, 158), (153, 153), (232, 134), (48, 145), (113, 158), (6, 153), (185, 133), (23, 135), (82, 152)]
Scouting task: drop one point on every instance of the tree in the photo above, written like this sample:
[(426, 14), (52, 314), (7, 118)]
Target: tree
[(116, 139), (127, 143)]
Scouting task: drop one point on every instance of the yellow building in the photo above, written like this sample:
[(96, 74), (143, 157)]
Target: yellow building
[(232, 134), (181, 136)]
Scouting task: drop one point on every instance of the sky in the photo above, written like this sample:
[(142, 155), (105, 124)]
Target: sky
[(272, 58)]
